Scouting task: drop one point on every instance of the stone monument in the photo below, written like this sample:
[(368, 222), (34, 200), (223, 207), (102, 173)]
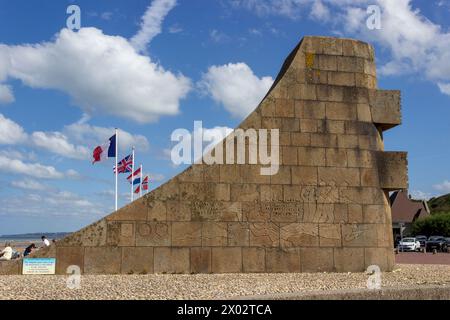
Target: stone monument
[(326, 209)]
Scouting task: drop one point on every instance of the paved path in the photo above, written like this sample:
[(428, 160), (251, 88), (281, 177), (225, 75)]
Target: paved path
[(422, 258), (416, 292)]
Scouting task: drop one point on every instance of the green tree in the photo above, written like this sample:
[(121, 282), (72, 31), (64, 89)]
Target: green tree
[(434, 225)]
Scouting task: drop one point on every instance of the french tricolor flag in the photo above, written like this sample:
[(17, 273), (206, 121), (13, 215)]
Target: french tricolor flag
[(107, 150)]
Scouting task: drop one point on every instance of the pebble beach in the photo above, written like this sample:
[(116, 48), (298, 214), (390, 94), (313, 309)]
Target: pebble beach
[(211, 286)]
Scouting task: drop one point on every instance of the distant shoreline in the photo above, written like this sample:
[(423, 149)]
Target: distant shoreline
[(33, 236), (20, 241)]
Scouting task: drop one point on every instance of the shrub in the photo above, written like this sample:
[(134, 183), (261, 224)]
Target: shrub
[(434, 225)]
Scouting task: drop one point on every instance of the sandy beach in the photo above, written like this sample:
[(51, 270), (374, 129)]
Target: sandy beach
[(20, 245), (211, 286)]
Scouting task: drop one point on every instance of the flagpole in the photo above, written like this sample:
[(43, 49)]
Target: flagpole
[(132, 175), (117, 155), (140, 185)]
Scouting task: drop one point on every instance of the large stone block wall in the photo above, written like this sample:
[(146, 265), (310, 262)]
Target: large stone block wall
[(326, 209)]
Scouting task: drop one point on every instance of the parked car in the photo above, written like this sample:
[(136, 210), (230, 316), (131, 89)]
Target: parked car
[(422, 240), (436, 242), (409, 244)]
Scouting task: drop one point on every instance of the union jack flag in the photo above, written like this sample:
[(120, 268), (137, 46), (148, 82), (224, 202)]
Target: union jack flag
[(125, 164)]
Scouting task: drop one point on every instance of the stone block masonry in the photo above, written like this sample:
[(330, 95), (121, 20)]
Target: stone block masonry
[(326, 209)]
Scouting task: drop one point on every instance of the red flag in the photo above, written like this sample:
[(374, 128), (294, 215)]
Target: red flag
[(97, 154)]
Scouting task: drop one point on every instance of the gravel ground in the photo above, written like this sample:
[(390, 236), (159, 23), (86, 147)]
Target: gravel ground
[(125, 287)]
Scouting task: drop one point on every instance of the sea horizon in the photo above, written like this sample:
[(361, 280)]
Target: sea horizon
[(33, 236)]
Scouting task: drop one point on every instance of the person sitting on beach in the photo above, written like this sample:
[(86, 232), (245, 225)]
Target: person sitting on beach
[(15, 255), (29, 249), (6, 254), (45, 241)]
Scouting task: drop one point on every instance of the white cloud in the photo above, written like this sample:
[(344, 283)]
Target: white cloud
[(63, 196), (165, 154), (444, 87), (288, 8), (417, 45), (210, 138), (58, 143), (11, 132), (393, 68), (255, 32), (65, 143), (107, 15), (51, 204), (35, 170), (84, 133), (443, 187), (236, 87), (293, 9), (72, 174), (354, 20), (29, 184), (6, 94), (106, 193), (216, 134), (16, 154), (210, 135), (151, 23), (414, 40), (175, 29), (102, 73), (319, 11), (218, 36), (420, 195)]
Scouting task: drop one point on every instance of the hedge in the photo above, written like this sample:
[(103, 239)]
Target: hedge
[(434, 225)]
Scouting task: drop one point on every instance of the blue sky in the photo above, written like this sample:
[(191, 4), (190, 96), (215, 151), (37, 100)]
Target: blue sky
[(63, 92)]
